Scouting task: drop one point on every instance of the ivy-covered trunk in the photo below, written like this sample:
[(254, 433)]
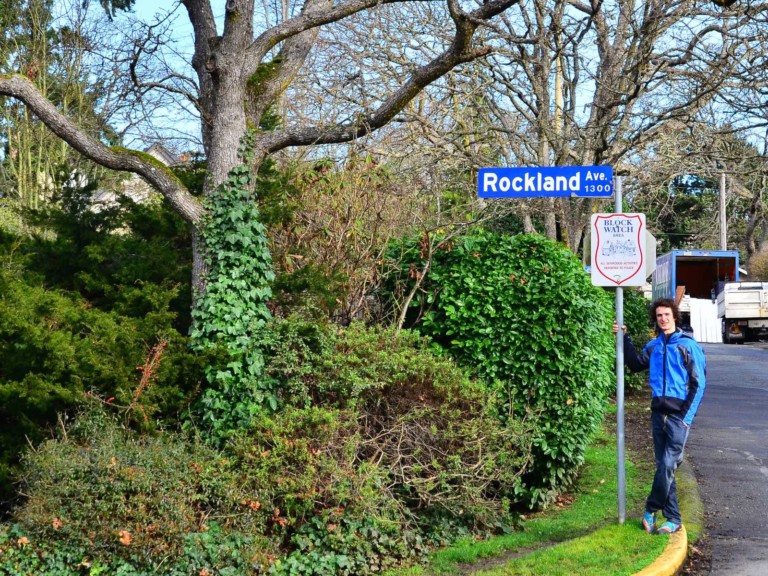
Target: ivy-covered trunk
[(231, 311)]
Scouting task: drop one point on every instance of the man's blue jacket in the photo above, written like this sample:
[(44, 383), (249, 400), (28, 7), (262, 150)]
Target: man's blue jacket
[(677, 372)]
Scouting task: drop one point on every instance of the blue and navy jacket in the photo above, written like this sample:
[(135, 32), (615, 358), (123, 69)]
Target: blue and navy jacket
[(677, 372)]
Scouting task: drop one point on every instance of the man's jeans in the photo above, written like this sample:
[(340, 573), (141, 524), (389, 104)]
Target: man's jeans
[(669, 437)]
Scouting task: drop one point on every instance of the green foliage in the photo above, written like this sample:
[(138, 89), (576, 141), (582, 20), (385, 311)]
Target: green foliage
[(232, 311), (521, 313), (301, 278), (84, 296), (689, 204), (349, 548), (379, 451), (638, 327), (10, 220), (113, 493), (133, 259), (192, 173), (375, 435), (55, 348), (82, 301), (636, 308), (229, 553)]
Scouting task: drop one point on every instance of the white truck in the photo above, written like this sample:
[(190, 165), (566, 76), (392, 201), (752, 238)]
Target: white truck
[(743, 310)]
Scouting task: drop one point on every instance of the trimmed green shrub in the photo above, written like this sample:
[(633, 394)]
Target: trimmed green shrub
[(521, 313)]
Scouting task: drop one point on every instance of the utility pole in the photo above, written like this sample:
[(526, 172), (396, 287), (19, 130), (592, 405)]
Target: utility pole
[(723, 231)]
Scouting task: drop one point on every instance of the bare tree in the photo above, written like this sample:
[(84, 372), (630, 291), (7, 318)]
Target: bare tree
[(242, 67), (579, 83), (696, 155)]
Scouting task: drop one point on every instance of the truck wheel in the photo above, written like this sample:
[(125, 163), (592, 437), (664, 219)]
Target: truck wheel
[(727, 334)]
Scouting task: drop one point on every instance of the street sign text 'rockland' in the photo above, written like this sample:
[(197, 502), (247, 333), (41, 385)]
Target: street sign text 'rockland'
[(577, 181)]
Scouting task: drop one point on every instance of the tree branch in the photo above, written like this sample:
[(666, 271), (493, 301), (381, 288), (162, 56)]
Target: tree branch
[(160, 177), (460, 52)]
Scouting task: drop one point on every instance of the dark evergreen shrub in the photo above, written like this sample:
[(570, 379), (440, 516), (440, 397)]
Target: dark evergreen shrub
[(133, 259), (55, 348), (83, 300)]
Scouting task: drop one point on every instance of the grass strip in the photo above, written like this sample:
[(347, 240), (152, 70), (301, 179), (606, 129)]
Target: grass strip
[(615, 550), (574, 539)]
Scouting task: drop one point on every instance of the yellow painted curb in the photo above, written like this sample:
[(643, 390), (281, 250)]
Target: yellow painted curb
[(672, 559)]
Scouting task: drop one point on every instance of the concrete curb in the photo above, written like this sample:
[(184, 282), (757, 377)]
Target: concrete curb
[(672, 559)]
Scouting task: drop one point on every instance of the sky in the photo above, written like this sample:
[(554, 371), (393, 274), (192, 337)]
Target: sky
[(146, 10)]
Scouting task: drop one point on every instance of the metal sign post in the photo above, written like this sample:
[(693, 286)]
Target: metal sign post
[(621, 471), (620, 247)]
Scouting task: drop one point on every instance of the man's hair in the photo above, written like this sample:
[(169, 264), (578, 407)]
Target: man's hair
[(665, 303)]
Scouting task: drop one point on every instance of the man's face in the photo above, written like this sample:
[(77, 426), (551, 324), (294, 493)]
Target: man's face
[(665, 319)]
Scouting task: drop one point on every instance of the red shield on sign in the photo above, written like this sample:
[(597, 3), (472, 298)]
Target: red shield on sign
[(618, 249)]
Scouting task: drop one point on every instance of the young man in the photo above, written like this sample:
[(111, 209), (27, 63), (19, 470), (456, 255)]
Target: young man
[(677, 378)]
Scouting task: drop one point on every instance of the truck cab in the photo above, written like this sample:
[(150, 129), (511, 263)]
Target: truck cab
[(743, 308)]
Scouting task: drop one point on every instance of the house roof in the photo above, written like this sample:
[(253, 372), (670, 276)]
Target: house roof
[(163, 154)]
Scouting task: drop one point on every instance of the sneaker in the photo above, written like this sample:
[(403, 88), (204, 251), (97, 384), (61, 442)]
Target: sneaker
[(668, 528), (649, 522)]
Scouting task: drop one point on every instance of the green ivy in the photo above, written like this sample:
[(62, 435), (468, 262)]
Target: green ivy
[(232, 311)]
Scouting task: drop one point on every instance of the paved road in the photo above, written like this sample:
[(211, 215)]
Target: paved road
[(728, 448)]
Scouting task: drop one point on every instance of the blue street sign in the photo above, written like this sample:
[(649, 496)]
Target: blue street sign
[(577, 181)]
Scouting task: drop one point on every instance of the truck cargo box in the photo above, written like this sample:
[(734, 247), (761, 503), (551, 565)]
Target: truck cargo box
[(693, 279), (696, 272)]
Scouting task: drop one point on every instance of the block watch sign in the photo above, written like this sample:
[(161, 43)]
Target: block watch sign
[(618, 249)]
